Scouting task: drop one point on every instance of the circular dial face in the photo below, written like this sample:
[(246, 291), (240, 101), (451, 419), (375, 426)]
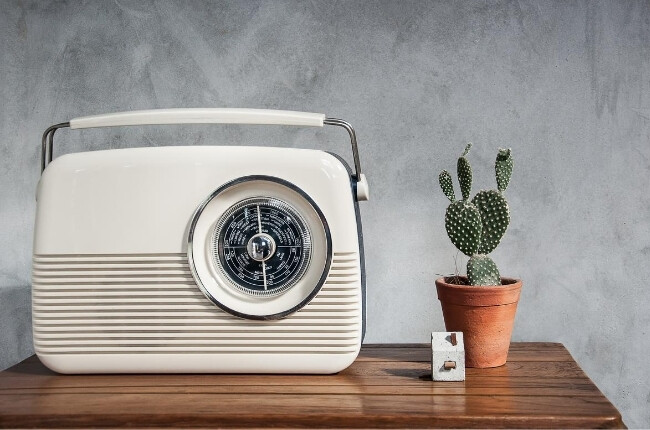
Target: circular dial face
[(262, 245)]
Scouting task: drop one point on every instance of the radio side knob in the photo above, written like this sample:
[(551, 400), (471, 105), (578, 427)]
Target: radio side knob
[(363, 192)]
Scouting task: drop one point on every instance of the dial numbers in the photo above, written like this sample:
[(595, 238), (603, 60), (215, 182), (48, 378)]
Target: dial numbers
[(262, 245)]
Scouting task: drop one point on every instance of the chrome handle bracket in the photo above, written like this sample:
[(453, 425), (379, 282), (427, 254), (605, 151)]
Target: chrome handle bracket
[(47, 144), (353, 141)]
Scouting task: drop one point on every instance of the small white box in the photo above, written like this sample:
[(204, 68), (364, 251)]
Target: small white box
[(447, 356)]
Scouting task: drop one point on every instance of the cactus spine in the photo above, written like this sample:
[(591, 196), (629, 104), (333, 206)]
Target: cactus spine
[(476, 227)]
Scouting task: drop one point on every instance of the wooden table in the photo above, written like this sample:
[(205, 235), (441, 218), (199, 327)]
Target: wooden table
[(388, 386)]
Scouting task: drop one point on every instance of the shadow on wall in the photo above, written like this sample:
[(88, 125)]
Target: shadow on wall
[(16, 322)]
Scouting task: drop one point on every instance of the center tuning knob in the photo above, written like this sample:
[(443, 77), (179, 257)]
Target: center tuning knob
[(261, 247)]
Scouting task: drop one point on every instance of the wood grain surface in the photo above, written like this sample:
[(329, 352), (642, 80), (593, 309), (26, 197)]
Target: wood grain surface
[(388, 386)]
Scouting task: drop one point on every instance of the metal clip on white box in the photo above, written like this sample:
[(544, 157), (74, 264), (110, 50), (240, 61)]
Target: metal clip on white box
[(201, 258), (447, 356)]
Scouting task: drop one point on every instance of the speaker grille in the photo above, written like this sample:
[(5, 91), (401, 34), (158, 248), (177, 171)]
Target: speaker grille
[(149, 303)]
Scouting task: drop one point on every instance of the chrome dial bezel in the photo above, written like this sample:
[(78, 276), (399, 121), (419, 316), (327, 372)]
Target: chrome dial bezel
[(238, 307)]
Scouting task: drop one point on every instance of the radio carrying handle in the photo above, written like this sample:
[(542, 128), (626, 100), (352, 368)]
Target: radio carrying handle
[(204, 116)]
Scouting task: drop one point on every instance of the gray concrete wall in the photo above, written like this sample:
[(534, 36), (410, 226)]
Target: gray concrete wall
[(566, 84)]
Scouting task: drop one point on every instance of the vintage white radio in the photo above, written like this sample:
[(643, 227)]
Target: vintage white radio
[(200, 258)]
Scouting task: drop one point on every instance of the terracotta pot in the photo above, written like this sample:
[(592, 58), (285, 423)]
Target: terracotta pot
[(485, 315)]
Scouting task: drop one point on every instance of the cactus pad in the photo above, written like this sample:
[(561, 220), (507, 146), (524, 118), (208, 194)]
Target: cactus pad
[(481, 270), (495, 217), (463, 224), (503, 168), (447, 185), (464, 171)]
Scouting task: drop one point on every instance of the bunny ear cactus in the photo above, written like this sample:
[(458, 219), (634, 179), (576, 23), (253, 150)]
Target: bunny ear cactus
[(476, 227)]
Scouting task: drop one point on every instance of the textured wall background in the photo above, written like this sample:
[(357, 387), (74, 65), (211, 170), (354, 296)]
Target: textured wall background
[(565, 84)]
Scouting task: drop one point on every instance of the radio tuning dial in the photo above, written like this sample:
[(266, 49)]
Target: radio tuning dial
[(262, 246)]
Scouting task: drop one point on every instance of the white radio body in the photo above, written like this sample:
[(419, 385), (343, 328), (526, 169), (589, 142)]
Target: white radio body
[(198, 259)]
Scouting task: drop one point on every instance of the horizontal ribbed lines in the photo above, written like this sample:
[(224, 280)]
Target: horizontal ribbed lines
[(149, 303)]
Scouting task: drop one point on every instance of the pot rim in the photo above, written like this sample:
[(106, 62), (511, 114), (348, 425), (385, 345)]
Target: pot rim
[(476, 295), (506, 282)]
